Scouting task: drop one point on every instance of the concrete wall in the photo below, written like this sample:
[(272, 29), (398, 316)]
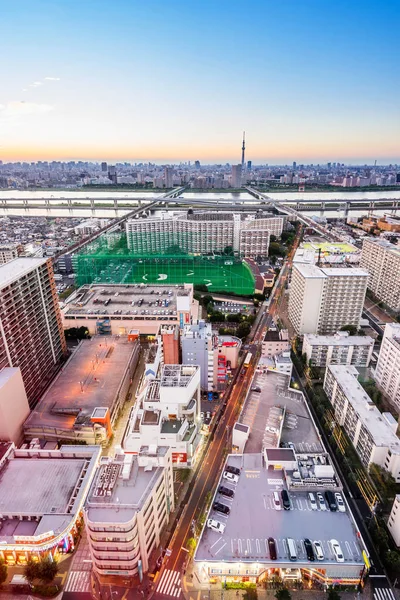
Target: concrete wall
[(14, 407)]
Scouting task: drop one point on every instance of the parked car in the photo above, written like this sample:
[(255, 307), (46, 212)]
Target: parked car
[(309, 549), (222, 508), (337, 551), (312, 501), (321, 500), (285, 500), (230, 477), (233, 470), (340, 502), (216, 525), (224, 491), (331, 500), (318, 551), (272, 548), (277, 501)]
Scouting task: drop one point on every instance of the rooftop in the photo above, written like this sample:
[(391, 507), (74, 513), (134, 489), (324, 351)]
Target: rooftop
[(252, 514), (372, 419), (15, 269), (311, 271), (177, 375), (384, 244), (90, 379), (119, 299), (338, 339)]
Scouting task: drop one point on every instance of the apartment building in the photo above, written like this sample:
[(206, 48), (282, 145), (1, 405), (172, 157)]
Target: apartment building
[(394, 520), (324, 300), (204, 233), (8, 252), (338, 349), (382, 261), (127, 508), (372, 433), (167, 413), (387, 372), (169, 337), (32, 336), (275, 341)]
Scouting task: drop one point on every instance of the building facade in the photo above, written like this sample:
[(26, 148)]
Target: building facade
[(394, 520), (338, 349), (324, 300), (387, 372), (382, 261), (373, 434), (204, 233), (128, 506), (12, 413), (198, 343), (32, 336), (275, 341), (8, 252)]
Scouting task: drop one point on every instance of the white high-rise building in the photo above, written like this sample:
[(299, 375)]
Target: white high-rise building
[(236, 176), (338, 349), (387, 372), (382, 261), (324, 300)]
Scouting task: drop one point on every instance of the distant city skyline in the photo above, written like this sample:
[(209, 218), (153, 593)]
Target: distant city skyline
[(171, 82)]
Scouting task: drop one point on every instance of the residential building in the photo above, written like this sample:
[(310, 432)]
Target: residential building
[(204, 233), (324, 300), (42, 493), (394, 520), (32, 335), (338, 349), (8, 252), (198, 343), (116, 309), (382, 261), (127, 509), (387, 372), (167, 413), (169, 177), (275, 341), (14, 407), (85, 399), (373, 434), (236, 181)]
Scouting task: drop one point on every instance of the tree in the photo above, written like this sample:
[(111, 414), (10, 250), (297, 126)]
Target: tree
[(48, 569), (392, 560), (191, 545), (333, 594), (283, 594), (217, 317), (31, 571), (77, 333), (273, 238), (243, 330), (3, 571), (234, 318)]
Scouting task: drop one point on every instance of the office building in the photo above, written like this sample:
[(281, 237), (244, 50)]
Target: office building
[(322, 301), (387, 372), (338, 349), (85, 399), (204, 233), (32, 336), (249, 165), (373, 434), (127, 509), (236, 180), (42, 493), (167, 412), (198, 343), (382, 261), (14, 407), (116, 309), (8, 252), (394, 521), (104, 167)]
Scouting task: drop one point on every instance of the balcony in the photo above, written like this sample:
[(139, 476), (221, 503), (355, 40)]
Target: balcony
[(190, 408)]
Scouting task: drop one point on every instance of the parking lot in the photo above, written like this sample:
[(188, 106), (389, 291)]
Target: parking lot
[(253, 519), (259, 409)]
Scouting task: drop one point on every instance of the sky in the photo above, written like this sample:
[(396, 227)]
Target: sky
[(171, 81)]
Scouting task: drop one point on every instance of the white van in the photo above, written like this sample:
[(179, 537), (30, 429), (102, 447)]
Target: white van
[(312, 501), (292, 550), (277, 501)]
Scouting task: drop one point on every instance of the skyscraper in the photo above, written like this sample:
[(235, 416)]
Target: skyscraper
[(249, 165), (32, 335), (197, 164), (236, 176), (104, 167), (168, 176)]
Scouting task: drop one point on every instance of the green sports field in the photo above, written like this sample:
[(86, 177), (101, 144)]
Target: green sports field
[(219, 273), (331, 248)]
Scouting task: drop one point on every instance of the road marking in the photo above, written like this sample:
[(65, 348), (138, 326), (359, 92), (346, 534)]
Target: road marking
[(169, 583), (219, 549), (218, 540), (78, 581)]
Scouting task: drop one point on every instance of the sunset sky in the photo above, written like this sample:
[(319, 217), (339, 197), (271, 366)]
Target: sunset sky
[(173, 80)]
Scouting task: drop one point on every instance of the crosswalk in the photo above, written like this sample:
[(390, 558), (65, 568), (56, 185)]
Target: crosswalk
[(170, 583), (78, 581), (383, 593)]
